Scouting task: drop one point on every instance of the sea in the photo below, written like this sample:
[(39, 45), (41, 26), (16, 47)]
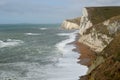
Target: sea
[(38, 52)]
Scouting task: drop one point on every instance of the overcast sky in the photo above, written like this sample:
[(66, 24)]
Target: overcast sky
[(45, 11)]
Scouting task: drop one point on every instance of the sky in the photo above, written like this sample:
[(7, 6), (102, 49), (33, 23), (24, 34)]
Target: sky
[(45, 11)]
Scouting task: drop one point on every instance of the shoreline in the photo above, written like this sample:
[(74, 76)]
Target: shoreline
[(70, 57), (87, 56)]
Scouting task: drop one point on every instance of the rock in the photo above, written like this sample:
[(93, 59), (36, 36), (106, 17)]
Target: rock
[(98, 36), (85, 23), (71, 24)]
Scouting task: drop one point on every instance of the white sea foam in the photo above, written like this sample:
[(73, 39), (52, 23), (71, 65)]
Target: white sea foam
[(70, 70), (10, 42), (42, 28), (32, 34), (63, 34), (61, 45)]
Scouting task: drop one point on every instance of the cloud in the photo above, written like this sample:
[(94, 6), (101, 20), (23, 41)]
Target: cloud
[(38, 8), (108, 1), (46, 10), (105, 2), (2, 3)]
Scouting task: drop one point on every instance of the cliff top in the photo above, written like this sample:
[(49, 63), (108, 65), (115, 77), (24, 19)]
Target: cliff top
[(75, 20), (100, 14)]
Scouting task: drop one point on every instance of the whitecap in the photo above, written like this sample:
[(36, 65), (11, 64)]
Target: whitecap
[(32, 34), (43, 28), (63, 34), (61, 45), (10, 42)]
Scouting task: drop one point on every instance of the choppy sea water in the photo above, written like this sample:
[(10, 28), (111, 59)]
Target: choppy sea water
[(38, 52)]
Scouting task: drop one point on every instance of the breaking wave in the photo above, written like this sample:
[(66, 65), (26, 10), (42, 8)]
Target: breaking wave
[(10, 42), (69, 60), (32, 34), (63, 34), (42, 28)]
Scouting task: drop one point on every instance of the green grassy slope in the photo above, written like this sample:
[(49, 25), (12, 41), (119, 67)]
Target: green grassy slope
[(100, 14), (75, 20)]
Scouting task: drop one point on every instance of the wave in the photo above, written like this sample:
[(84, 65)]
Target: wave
[(32, 34), (61, 45), (42, 28), (10, 42), (68, 61), (63, 34)]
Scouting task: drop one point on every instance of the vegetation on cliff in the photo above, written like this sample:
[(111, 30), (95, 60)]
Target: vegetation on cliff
[(75, 20), (110, 68), (71, 23), (100, 14)]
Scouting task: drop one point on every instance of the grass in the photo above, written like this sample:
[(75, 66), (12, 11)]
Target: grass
[(75, 20), (103, 29), (100, 14), (113, 48)]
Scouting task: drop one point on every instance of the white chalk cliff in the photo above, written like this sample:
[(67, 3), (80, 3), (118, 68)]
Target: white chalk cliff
[(85, 23), (97, 36), (71, 24)]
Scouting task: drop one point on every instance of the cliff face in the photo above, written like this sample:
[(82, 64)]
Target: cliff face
[(96, 29), (85, 22), (100, 30), (99, 42), (71, 24), (110, 68), (100, 35), (95, 15)]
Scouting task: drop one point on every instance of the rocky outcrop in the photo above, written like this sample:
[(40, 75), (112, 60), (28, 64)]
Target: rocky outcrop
[(71, 24), (99, 36), (109, 69), (95, 15), (85, 22), (99, 33)]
